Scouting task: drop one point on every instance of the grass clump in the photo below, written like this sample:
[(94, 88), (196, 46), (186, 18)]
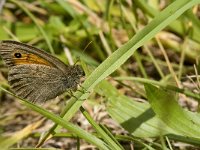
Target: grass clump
[(142, 84)]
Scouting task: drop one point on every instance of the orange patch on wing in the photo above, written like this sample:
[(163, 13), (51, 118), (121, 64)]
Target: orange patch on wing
[(30, 59)]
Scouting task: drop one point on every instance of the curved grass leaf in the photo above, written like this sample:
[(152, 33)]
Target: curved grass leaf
[(167, 109), (135, 117)]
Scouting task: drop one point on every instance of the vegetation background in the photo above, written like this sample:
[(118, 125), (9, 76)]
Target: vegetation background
[(141, 89)]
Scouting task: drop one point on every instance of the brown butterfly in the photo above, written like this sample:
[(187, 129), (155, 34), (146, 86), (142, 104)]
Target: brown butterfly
[(35, 74)]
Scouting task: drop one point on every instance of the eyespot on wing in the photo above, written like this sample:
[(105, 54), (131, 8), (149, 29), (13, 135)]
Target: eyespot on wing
[(21, 58)]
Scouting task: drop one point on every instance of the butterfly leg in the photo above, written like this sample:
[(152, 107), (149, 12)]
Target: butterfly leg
[(83, 89), (71, 94)]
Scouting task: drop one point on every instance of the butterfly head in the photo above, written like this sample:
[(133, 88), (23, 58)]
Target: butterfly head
[(77, 71), (73, 76)]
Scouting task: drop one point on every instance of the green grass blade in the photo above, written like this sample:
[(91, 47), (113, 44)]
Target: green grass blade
[(100, 131), (164, 85)]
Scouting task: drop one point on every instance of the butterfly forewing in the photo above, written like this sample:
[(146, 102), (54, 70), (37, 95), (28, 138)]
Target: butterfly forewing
[(29, 55)]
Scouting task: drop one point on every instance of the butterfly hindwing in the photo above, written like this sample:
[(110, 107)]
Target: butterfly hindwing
[(36, 82)]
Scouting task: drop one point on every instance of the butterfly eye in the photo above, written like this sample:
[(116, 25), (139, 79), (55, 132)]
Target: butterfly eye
[(18, 55)]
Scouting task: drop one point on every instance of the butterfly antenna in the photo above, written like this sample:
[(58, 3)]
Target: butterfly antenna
[(78, 58), (87, 46)]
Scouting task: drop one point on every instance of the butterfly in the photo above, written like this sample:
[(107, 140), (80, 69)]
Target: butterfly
[(35, 74)]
